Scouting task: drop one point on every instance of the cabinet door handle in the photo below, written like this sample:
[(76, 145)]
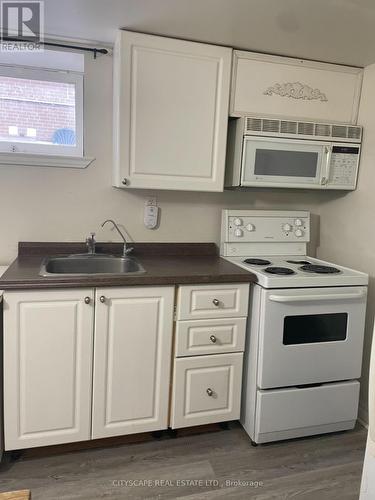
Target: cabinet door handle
[(213, 339), (102, 299), (216, 302), (87, 300), (210, 392)]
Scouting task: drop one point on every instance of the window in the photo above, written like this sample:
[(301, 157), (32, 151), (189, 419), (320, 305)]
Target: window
[(41, 111)]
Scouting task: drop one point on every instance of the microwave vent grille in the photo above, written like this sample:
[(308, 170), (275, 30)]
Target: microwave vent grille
[(323, 129), (354, 132), (290, 128), (287, 127), (305, 128), (271, 126), (339, 131), (254, 124)]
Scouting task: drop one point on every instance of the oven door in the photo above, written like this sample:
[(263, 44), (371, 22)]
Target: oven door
[(284, 163), (310, 335)]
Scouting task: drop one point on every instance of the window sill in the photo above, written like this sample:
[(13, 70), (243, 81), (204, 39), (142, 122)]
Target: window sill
[(39, 160)]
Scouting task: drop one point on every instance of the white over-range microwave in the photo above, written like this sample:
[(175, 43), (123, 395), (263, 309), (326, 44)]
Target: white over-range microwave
[(268, 152)]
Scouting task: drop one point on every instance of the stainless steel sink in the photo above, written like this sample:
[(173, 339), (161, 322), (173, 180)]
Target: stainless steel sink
[(90, 264)]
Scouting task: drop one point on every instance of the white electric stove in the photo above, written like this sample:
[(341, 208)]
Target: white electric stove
[(305, 334)]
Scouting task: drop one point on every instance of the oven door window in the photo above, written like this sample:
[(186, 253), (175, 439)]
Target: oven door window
[(315, 328), (273, 162)]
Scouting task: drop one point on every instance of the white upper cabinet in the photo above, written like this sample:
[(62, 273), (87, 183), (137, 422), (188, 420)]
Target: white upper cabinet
[(171, 102), (294, 88)]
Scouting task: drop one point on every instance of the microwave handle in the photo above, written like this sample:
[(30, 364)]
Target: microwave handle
[(326, 170), (308, 298)]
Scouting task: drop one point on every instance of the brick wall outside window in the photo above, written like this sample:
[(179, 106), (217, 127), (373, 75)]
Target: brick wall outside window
[(44, 106)]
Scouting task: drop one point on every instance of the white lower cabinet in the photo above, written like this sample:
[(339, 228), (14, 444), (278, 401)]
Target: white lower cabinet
[(209, 345), (132, 358), (87, 363), (48, 339), (206, 389), (51, 347)]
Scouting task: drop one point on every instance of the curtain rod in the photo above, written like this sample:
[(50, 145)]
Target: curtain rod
[(61, 45)]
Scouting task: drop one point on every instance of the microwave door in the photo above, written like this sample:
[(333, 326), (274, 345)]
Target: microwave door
[(284, 163)]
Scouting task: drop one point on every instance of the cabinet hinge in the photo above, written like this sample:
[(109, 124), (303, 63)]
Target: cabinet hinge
[(174, 313)]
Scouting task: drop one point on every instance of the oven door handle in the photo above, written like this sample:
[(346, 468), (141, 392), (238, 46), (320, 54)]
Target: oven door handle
[(308, 298)]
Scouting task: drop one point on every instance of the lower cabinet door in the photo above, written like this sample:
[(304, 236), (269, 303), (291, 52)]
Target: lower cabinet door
[(48, 342), (133, 346), (206, 389)]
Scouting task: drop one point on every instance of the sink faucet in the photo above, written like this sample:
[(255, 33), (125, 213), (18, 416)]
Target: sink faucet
[(125, 250), (91, 243)]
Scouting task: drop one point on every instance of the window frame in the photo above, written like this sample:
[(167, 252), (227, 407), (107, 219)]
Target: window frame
[(48, 75)]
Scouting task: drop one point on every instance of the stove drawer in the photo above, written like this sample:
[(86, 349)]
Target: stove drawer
[(293, 412), (210, 336), (212, 301), (206, 389)]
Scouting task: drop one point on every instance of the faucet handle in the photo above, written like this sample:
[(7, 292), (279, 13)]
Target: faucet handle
[(127, 251), (90, 243)]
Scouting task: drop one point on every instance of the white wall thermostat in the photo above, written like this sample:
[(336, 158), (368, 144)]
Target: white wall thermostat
[(151, 214)]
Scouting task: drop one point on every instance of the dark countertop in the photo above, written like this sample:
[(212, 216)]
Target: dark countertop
[(165, 264)]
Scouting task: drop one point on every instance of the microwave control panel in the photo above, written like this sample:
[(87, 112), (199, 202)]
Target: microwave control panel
[(247, 226), (344, 165)]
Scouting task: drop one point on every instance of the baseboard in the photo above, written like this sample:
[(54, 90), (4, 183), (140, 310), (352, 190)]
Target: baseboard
[(363, 416)]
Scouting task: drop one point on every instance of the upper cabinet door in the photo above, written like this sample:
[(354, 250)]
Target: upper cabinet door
[(171, 101), (294, 88), (48, 343), (132, 360)]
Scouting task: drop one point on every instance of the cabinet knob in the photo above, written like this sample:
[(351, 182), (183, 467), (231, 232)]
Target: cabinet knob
[(87, 300), (213, 339), (210, 392), (216, 302), (125, 181), (102, 299)]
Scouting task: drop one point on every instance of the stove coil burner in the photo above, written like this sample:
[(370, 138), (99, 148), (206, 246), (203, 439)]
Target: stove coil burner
[(314, 268), (257, 262), (282, 271), (304, 262)]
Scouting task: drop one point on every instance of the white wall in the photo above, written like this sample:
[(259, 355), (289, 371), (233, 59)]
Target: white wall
[(57, 204), (347, 233)]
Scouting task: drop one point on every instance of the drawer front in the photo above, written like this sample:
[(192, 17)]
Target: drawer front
[(206, 389), (209, 301), (285, 409), (210, 336)]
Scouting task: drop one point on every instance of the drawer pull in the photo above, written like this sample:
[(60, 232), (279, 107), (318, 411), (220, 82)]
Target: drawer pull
[(210, 392), (213, 339), (216, 302)]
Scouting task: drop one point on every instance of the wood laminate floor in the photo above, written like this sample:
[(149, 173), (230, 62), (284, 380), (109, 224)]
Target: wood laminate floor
[(219, 464)]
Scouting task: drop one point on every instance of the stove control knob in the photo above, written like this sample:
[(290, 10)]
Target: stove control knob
[(238, 233), (250, 227), (298, 222), (237, 222), (287, 228), (298, 233)]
